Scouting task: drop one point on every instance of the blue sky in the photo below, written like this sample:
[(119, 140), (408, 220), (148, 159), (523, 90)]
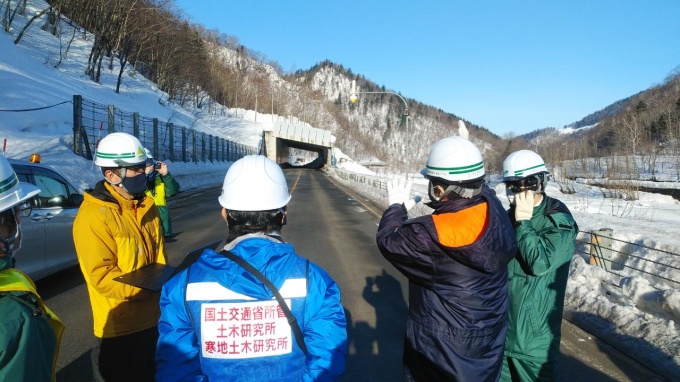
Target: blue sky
[(510, 66)]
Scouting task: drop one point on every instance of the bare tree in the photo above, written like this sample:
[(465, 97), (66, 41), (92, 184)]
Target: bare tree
[(29, 23), (9, 17)]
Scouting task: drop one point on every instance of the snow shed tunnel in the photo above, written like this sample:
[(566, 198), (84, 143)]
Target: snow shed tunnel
[(276, 144)]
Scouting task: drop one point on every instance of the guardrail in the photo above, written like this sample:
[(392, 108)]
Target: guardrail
[(372, 181)]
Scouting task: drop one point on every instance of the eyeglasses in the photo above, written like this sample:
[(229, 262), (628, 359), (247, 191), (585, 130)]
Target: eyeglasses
[(520, 185), (140, 168)]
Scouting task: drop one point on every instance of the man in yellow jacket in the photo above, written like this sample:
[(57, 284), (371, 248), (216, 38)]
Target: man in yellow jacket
[(116, 231), (30, 332)]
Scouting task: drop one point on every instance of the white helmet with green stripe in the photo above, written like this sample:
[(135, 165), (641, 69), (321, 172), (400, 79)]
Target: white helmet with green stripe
[(119, 150), (454, 160), (521, 164), (12, 191)]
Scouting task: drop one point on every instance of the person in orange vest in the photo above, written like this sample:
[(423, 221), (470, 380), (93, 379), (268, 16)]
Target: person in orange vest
[(160, 184), (30, 332), (456, 260)]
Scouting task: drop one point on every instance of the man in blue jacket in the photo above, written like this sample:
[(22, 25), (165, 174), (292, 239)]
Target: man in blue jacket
[(220, 323), (456, 262)]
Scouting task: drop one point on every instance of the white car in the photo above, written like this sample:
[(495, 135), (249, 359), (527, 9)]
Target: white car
[(47, 227)]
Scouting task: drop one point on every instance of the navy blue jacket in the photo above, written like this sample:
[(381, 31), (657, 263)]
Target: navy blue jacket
[(458, 296)]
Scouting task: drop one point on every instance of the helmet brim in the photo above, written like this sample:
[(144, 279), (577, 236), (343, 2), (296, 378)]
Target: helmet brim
[(516, 178), (24, 192)]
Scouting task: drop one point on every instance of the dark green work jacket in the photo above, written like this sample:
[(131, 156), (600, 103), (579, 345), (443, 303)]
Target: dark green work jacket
[(538, 280)]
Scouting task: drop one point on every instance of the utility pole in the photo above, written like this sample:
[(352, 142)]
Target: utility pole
[(353, 98)]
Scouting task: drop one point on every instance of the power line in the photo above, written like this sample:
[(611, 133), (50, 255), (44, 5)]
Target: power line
[(37, 108)]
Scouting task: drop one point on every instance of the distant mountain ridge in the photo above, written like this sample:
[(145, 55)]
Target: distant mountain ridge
[(644, 125), (596, 117), (590, 120)]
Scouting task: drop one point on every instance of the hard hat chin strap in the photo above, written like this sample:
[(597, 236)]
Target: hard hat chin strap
[(121, 176), (457, 190), (464, 192)]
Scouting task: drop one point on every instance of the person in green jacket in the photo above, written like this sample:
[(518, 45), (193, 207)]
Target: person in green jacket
[(160, 185), (545, 231), (30, 332)]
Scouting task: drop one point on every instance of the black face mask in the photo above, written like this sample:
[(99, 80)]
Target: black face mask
[(135, 185)]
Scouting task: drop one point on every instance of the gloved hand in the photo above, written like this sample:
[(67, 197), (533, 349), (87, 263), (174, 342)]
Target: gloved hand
[(524, 205), (399, 190), (411, 202)]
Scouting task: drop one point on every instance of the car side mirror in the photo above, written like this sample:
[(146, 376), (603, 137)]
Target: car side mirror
[(56, 201)]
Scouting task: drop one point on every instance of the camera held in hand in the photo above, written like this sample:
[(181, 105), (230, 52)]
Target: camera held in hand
[(157, 165)]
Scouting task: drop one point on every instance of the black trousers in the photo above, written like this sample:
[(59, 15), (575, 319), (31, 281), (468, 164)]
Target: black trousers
[(130, 358)]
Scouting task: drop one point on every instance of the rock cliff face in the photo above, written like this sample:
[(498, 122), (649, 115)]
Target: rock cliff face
[(372, 128)]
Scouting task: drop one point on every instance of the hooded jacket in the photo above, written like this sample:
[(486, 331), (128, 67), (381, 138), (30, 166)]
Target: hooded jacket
[(538, 281), (114, 236), (456, 262), (218, 322)]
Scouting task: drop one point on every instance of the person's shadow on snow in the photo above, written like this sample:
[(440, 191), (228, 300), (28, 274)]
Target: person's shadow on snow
[(375, 353)]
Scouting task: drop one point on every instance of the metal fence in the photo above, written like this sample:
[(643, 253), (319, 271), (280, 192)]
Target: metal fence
[(625, 262), (92, 121)]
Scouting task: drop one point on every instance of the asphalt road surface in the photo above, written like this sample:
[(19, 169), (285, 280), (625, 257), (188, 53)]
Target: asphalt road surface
[(335, 229)]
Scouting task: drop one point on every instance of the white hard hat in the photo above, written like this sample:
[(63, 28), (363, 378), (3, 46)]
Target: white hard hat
[(119, 150), (12, 191), (455, 160), (254, 183), (521, 164)]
